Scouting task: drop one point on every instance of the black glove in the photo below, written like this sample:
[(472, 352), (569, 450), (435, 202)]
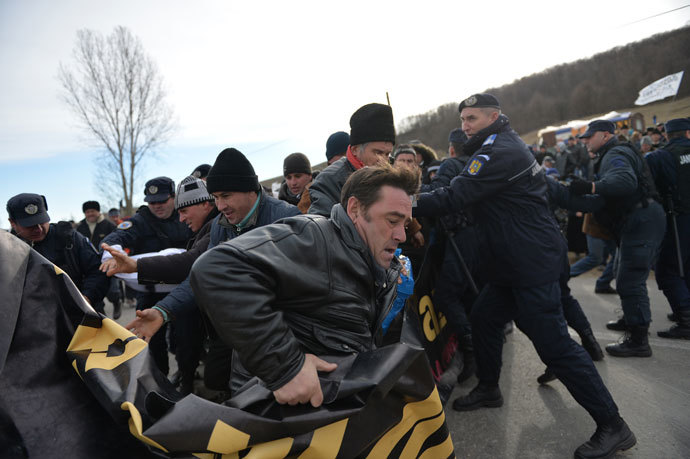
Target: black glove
[(580, 187)]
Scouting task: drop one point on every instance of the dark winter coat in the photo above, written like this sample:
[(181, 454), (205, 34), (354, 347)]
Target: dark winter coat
[(326, 187), (303, 285), (505, 189), (173, 269), (101, 230)]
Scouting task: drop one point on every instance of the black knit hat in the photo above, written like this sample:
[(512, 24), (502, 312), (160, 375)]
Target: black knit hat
[(232, 172), (201, 171), (90, 205), (337, 144), (296, 163), (372, 123)]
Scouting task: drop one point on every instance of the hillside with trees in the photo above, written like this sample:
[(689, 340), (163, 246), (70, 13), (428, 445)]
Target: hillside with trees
[(604, 82)]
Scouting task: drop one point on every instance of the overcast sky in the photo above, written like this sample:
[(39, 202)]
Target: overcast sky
[(272, 78)]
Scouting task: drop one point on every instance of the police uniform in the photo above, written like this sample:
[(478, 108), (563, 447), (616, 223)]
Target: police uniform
[(505, 188), (63, 246), (624, 203), (670, 167), (146, 233)]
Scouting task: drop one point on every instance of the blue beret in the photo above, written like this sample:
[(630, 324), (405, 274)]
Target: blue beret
[(457, 136), (159, 189), (598, 125), (479, 101), (677, 124)]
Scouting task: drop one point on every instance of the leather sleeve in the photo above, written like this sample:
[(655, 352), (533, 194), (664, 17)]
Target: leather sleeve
[(237, 285)]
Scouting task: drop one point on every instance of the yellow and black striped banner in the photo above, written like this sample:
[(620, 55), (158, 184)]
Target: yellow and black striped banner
[(378, 404)]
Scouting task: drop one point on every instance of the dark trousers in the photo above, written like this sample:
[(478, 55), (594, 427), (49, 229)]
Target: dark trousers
[(157, 345), (217, 365), (537, 312), (574, 315), (675, 288), (452, 294), (189, 338), (640, 241)]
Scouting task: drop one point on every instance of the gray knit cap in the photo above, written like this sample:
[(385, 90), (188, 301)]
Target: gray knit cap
[(191, 191)]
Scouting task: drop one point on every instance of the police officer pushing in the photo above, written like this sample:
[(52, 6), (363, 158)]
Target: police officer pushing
[(153, 228), (59, 243), (624, 204), (670, 167), (505, 189)]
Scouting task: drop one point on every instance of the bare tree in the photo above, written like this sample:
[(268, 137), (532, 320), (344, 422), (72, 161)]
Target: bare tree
[(116, 92)]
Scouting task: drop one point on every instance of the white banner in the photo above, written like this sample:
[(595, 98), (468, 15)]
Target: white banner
[(667, 86)]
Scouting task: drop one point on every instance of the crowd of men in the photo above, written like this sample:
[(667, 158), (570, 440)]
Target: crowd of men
[(268, 283)]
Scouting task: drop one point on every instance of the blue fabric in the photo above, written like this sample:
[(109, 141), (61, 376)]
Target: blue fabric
[(537, 312), (640, 242), (675, 288), (405, 289), (598, 251)]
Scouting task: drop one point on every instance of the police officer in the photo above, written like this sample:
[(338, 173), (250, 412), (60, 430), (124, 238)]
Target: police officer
[(624, 204), (670, 167), (59, 243), (505, 188), (153, 228)]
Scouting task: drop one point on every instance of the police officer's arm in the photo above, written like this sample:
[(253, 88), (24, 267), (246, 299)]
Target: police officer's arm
[(123, 237), (95, 284), (236, 286), (617, 176), (561, 196), (478, 181), (447, 171)]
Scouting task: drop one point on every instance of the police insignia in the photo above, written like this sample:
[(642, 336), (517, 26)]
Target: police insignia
[(474, 167), (470, 101), (489, 140), (125, 225), (153, 189), (31, 209)]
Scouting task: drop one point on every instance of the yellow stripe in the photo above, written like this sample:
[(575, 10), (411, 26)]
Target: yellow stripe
[(445, 449), (412, 412), (276, 449), (136, 426), (227, 439), (97, 340), (58, 271), (420, 433), (326, 441)]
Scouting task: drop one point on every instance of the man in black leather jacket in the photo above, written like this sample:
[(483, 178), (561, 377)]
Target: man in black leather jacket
[(303, 286)]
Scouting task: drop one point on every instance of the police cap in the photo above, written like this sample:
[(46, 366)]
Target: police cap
[(457, 136), (598, 125), (159, 189), (480, 101), (678, 124), (28, 209)]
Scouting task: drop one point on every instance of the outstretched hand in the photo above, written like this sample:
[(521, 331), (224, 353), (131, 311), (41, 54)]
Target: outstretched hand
[(146, 324), (305, 386), (120, 263)]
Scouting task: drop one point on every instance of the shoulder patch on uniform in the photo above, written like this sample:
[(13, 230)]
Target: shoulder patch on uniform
[(489, 140), (125, 225), (475, 166), (486, 157)]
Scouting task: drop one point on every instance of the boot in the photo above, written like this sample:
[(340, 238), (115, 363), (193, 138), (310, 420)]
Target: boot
[(617, 325), (607, 440), (589, 342), (482, 395), (672, 317), (547, 377), (681, 330), (607, 290), (469, 364), (117, 309), (634, 344)]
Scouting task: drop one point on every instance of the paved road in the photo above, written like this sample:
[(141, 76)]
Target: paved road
[(653, 394)]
